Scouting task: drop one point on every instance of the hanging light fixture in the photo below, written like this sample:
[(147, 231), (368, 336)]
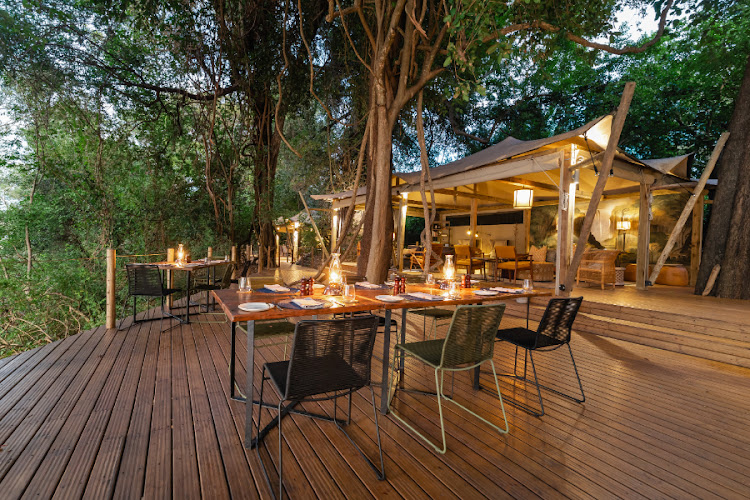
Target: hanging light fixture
[(523, 199), (623, 225)]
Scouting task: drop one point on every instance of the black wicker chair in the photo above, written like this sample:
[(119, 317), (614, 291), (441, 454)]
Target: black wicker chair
[(329, 359), (553, 332), (145, 280), (206, 284)]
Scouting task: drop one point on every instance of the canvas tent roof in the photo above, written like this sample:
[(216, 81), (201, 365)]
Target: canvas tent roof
[(496, 171)]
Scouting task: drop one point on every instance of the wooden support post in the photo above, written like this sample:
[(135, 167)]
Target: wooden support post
[(170, 258), (295, 252), (334, 228), (696, 238), (210, 253), (473, 222), (689, 206), (564, 229), (402, 207), (233, 254), (278, 251), (644, 237), (607, 162), (111, 288), (527, 229)]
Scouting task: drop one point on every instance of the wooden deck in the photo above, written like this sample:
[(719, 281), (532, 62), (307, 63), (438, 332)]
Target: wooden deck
[(139, 413)]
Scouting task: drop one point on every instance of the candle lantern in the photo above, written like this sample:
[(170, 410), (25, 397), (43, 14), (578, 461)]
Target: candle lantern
[(335, 276)]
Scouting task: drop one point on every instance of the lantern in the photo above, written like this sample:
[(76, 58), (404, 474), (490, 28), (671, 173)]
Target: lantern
[(449, 269), (335, 276), (523, 199), (180, 255)]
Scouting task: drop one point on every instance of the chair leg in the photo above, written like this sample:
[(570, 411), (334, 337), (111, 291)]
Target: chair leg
[(502, 406), (380, 473), (124, 313)]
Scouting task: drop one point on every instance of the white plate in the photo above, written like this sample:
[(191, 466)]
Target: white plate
[(255, 306), (485, 292), (389, 298), (318, 286)]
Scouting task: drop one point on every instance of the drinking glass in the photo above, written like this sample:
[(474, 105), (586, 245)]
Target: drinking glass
[(350, 295), (528, 285), (244, 284), (453, 291), (430, 279)]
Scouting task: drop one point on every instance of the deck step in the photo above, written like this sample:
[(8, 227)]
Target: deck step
[(723, 341)]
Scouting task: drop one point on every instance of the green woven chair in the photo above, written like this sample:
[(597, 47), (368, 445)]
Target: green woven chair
[(468, 344), (438, 316)]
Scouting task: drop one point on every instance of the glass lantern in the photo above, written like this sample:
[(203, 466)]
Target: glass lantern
[(180, 255), (449, 269), (335, 276)]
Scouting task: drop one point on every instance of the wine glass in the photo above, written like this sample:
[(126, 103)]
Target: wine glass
[(350, 295)]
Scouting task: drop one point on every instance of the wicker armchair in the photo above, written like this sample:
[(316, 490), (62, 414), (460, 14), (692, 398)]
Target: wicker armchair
[(598, 266), (468, 344)]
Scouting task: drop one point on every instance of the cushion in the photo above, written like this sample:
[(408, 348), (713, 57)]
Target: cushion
[(538, 254)]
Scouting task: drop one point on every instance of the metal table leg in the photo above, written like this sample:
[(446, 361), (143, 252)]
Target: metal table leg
[(250, 365), (386, 359)]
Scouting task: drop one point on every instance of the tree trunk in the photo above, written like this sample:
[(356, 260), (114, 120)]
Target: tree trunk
[(728, 238), (377, 243)]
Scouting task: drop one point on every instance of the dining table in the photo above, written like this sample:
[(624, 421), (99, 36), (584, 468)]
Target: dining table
[(279, 308), (189, 268)]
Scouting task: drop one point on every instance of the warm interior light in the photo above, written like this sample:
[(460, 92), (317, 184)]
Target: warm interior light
[(405, 196), (623, 225), (523, 198)]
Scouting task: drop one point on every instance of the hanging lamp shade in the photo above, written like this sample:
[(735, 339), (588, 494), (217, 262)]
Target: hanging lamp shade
[(623, 225), (523, 199)]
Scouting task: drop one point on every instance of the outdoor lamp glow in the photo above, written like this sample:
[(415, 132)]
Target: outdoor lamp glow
[(523, 198), (623, 225)]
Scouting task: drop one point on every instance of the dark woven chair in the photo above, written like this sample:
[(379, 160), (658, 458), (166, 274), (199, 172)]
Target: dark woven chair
[(206, 284), (469, 343), (553, 332), (145, 280), (329, 359)]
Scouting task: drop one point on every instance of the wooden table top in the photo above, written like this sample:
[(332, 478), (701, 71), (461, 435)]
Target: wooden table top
[(191, 266), (230, 299)]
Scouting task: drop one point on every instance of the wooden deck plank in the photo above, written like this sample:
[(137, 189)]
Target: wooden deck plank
[(78, 446), (101, 481), (213, 479), (56, 438), (35, 409), (158, 475), (184, 458)]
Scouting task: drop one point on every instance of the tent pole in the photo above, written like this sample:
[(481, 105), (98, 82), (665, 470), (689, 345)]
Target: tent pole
[(644, 236)]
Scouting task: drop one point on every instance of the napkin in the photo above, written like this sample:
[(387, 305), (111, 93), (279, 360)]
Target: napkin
[(366, 284), (307, 303), (276, 288)]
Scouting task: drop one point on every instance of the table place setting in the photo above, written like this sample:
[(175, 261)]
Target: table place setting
[(255, 306), (389, 298), (422, 296), (304, 303), (366, 285), (486, 292), (506, 289), (276, 289)]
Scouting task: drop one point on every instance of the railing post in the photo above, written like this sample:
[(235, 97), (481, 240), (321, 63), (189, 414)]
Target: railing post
[(233, 254), (111, 289), (210, 253)]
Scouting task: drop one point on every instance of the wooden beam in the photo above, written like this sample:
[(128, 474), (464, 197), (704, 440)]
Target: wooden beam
[(463, 194), (563, 228), (402, 208), (517, 181), (587, 162), (696, 238), (527, 229), (689, 206), (644, 237), (473, 223), (596, 195)]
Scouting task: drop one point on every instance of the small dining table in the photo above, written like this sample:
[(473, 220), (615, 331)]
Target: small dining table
[(188, 268), (231, 299)]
